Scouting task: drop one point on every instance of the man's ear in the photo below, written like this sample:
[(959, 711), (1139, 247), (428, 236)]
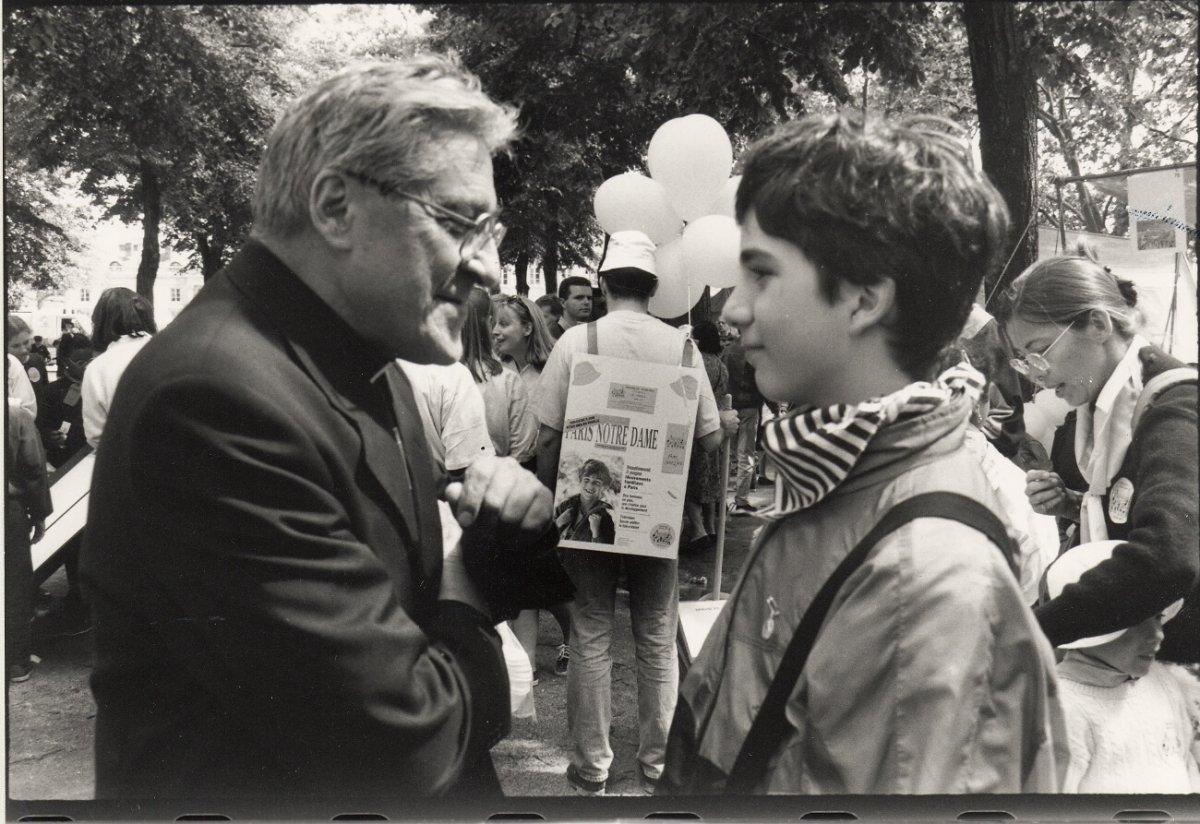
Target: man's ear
[(330, 209), (871, 304)]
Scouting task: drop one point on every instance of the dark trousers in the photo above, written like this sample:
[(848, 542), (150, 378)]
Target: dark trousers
[(18, 583)]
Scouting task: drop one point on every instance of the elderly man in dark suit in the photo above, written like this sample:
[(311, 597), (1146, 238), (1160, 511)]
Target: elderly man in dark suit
[(275, 612)]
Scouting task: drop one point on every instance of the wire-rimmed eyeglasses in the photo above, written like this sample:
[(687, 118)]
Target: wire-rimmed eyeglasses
[(478, 231), (1037, 360)]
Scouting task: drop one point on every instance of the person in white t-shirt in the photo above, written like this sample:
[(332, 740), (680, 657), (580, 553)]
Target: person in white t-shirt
[(628, 279), (122, 323), (452, 413)]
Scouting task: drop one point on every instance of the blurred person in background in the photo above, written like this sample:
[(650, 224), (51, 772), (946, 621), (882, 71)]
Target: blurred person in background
[(122, 324), (551, 308)]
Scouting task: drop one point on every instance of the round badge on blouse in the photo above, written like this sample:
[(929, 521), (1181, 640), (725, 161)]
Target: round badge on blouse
[(34, 375), (1119, 498)]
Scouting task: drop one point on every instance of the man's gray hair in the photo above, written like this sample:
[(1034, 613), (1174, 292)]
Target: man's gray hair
[(377, 119)]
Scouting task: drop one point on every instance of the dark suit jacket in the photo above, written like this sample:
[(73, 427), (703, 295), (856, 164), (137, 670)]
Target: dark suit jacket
[(264, 576)]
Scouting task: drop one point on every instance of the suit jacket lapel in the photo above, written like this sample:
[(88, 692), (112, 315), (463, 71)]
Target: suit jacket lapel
[(426, 480), (340, 363)]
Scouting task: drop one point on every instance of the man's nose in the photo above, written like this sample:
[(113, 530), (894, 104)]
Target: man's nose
[(483, 267)]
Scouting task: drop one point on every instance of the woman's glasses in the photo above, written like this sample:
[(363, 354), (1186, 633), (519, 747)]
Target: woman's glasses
[(1037, 360)]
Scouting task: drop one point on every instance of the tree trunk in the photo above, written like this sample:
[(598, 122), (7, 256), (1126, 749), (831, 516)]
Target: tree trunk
[(522, 269), (210, 255), (151, 215), (1006, 97), (550, 259)]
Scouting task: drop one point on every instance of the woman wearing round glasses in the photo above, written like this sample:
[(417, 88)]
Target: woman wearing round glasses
[(1075, 328)]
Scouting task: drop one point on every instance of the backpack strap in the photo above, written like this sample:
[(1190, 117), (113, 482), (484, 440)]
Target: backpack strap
[(593, 339), (1156, 386), (770, 725)]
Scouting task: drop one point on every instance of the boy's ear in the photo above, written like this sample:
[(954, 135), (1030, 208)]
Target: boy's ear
[(330, 209), (870, 304)]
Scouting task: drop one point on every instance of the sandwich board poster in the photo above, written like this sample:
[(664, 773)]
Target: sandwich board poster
[(626, 445)]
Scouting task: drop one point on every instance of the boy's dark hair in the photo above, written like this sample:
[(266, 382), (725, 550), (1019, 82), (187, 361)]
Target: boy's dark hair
[(552, 303), (120, 311), (874, 199), (564, 288), (71, 341)]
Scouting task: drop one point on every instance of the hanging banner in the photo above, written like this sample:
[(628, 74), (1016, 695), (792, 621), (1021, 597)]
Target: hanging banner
[(626, 444), (1158, 209)]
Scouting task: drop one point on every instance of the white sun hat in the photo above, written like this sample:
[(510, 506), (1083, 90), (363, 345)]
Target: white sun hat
[(1069, 567), (629, 249)]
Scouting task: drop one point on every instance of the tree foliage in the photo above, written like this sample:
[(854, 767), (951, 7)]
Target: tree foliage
[(1116, 90), (594, 81), (41, 228), (162, 109)]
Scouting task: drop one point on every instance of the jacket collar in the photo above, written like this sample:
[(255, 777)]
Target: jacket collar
[(924, 438)]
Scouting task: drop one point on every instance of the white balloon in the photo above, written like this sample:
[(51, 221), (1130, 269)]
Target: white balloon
[(711, 245), (691, 157), (672, 298), (724, 202), (668, 259), (634, 201)]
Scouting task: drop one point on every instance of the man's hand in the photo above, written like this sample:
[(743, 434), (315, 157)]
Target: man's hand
[(1048, 495), (498, 497)]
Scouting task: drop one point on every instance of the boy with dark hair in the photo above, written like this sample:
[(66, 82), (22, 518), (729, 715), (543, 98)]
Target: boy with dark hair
[(877, 641)]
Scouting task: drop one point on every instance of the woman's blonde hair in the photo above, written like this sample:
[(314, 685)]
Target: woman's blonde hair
[(539, 343)]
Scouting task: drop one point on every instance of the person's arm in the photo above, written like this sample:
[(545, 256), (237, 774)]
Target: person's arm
[(279, 591), (549, 445), (95, 403), (19, 386), (1158, 562), (551, 408), (29, 469)]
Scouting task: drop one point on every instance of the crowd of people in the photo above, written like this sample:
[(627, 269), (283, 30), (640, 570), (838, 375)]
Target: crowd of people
[(322, 518)]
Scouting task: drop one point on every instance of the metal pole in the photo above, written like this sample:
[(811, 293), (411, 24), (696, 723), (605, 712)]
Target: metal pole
[(1124, 173), (726, 403)]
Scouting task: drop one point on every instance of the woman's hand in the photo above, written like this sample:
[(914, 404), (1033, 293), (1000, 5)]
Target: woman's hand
[(1048, 495)]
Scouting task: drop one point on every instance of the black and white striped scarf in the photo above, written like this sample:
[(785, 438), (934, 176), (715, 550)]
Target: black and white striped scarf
[(815, 448)]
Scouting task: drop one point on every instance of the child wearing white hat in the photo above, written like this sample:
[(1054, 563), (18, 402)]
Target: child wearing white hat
[(1128, 723)]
